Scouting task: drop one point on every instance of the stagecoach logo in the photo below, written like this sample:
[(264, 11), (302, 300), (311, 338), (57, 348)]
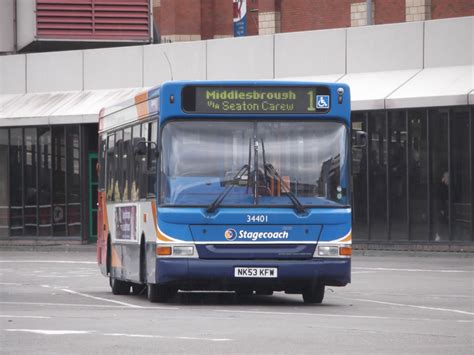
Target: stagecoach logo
[(230, 234)]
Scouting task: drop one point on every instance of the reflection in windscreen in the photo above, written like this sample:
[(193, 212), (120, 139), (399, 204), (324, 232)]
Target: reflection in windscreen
[(201, 158)]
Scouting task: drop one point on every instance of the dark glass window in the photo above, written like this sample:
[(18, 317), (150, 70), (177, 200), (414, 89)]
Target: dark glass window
[(359, 175), (153, 137), (126, 155), (461, 161), (73, 181), (418, 174), (31, 187), (133, 168), (102, 168), (439, 173), (142, 165), (110, 167), (378, 175), (4, 188), (44, 181), (16, 181), (398, 175), (119, 181), (59, 180)]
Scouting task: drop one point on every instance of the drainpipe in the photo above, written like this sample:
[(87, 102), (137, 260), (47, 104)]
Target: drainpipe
[(15, 27), (369, 12)]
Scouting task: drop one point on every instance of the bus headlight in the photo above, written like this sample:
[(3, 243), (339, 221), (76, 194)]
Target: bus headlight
[(183, 251), (333, 251), (178, 251), (328, 250)]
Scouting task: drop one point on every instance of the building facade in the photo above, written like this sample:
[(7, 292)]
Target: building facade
[(187, 20), (412, 132)]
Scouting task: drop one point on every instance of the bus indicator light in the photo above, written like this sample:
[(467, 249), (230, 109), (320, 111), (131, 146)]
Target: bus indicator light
[(345, 251), (163, 251)]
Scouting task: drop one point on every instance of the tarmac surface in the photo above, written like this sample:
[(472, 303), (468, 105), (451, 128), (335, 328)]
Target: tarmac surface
[(56, 301)]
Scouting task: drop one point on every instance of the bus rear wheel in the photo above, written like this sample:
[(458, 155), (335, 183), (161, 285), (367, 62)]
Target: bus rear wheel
[(160, 293), (314, 294), (119, 287)]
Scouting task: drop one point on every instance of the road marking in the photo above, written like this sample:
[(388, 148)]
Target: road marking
[(89, 332), (411, 306), (49, 261), (99, 298), (32, 317), (302, 314), (62, 304), (164, 337), (50, 332), (411, 270), (113, 301), (362, 272), (82, 305), (10, 284)]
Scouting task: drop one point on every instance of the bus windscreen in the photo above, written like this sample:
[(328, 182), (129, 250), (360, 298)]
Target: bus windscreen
[(256, 99)]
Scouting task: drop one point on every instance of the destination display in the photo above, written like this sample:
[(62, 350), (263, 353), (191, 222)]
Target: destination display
[(256, 99)]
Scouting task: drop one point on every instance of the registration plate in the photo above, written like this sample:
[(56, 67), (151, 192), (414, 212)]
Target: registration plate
[(268, 272)]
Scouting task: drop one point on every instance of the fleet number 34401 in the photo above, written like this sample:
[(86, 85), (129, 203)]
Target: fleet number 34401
[(259, 218)]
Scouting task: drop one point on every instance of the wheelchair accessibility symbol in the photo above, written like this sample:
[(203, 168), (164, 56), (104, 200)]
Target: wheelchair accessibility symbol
[(322, 101)]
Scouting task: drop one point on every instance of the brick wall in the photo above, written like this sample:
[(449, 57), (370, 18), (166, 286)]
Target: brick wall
[(206, 19), (389, 11), (223, 19), (451, 8), (303, 15)]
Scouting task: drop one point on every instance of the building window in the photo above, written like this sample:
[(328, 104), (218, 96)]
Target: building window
[(16, 182), (4, 188), (359, 175), (439, 174), (44, 181), (418, 174), (397, 161), (59, 181), (460, 175), (73, 182), (378, 175)]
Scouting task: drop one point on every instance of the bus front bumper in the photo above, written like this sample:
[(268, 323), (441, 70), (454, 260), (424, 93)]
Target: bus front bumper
[(204, 274)]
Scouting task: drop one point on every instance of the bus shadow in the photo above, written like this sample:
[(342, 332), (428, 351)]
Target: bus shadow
[(231, 299)]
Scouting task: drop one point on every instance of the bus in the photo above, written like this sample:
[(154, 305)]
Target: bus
[(226, 185)]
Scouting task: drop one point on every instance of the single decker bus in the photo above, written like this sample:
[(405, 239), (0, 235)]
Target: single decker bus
[(226, 185)]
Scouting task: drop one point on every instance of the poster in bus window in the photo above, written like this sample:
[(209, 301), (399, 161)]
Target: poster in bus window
[(125, 222)]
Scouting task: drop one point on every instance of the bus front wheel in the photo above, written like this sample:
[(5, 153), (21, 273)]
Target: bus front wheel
[(160, 293), (314, 294)]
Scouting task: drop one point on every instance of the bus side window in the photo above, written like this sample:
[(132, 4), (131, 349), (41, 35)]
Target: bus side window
[(110, 167), (102, 153), (133, 167), (126, 171), (142, 165), (118, 166), (152, 160)]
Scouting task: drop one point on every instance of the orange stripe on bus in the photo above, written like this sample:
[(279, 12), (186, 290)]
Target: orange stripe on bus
[(142, 104), (115, 258), (347, 238), (159, 235)]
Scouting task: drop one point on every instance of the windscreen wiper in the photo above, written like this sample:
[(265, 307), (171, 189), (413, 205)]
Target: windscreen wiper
[(297, 204), (235, 180)]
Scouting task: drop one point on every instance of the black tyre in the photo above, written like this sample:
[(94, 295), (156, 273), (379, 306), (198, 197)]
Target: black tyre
[(314, 294), (119, 287), (160, 293), (138, 289)]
